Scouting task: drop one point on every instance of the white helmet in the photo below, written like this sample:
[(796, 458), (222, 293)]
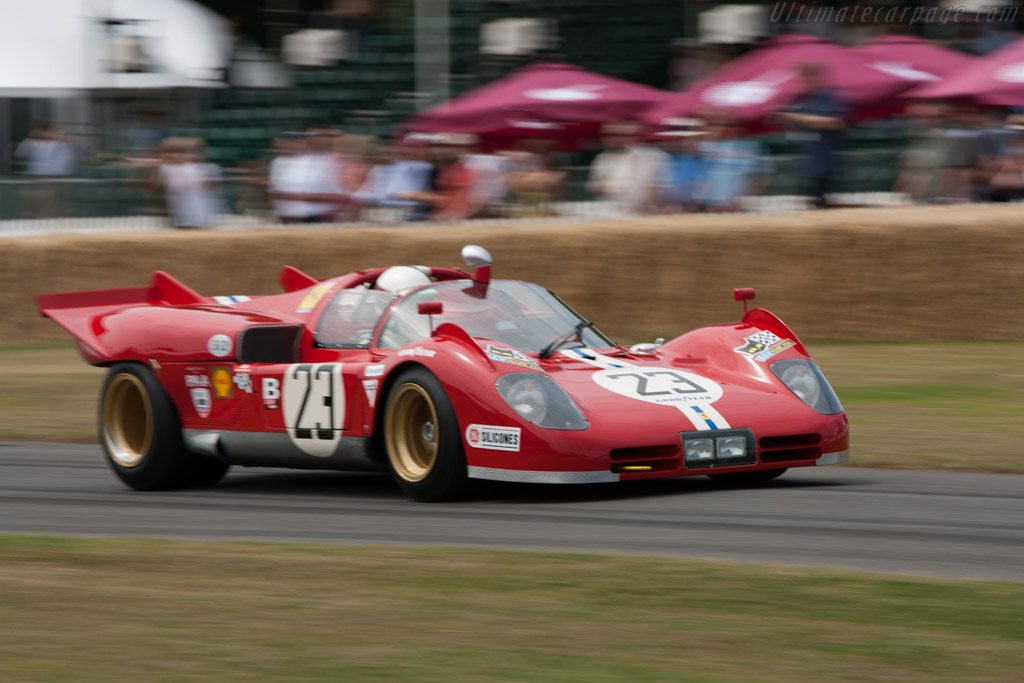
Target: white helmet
[(400, 279)]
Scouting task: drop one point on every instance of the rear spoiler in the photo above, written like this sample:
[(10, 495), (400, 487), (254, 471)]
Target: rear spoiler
[(163, 290), (77, 312)]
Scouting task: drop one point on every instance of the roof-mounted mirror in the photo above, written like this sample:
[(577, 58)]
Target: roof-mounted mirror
[(476, 256)]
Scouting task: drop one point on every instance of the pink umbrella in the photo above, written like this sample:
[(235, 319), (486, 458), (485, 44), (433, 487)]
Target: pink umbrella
[(915, 60), (996, 79), (762, 81), (554, 100)]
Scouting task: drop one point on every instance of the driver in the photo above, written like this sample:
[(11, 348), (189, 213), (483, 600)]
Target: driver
[(400, 279), (403, 326)]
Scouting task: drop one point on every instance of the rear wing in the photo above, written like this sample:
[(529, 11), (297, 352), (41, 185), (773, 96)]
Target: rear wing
[(164, 290), (79, 312)]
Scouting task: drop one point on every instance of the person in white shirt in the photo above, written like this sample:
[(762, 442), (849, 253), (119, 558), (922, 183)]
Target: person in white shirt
[(48, 158), (285, 178), (46, 153), (188, 184), (306, 179), (627, 174)]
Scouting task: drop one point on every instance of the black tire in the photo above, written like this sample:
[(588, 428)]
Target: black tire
[(422, 439), (746, 478), (141, 434)]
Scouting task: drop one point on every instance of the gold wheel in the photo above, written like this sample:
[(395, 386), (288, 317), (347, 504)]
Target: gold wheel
[(127, 420), (411, 432)]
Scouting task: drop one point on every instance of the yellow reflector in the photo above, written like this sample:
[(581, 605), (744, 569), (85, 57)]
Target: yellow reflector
[(636, 468)]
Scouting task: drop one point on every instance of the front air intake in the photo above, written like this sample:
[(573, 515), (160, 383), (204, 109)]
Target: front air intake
[(645, 459), (790, 447)]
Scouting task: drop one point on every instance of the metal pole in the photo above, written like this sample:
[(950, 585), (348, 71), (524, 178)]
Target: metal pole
[(433, 58)]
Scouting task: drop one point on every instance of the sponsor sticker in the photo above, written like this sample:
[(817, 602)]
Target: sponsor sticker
[(757, 342), (311, 299), (243, 378), (374, 370), (774, 349), (370, 387), (201, 401), (219, 345), (418, 351), (197, 377), (270, 393), (223, 387), (513, 356), (493, 438), (763, 345), (231, 300)]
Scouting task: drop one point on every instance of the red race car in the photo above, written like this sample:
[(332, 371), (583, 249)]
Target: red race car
[(438, 376)]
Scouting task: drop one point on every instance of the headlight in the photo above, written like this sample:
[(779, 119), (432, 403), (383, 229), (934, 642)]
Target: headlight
[(720, 448), (540, 401), (731, 447), (805, 379), (528, 399), (700, 452)]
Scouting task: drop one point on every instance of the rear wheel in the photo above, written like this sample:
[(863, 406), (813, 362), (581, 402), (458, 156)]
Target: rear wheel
[(141, 434), (747, 478), (422, 439)]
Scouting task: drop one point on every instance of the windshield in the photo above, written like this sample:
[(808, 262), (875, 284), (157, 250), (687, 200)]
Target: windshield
[(525, 316), (351, 318)]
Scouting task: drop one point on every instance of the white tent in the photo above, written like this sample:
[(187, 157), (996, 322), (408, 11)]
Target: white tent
[(55, 47)]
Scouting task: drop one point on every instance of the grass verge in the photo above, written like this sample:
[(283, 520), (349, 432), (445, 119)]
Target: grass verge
[(101, 610), (954, 406)]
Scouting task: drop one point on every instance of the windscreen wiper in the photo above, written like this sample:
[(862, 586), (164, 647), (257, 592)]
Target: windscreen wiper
[(576, 334)]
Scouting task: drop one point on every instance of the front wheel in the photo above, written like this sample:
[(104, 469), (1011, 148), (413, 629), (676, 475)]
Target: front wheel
[(141, 434), (422, 439), (746, 478)]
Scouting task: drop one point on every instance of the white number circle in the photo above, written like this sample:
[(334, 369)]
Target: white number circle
[(664, 386), (313, 403), (219, 345)]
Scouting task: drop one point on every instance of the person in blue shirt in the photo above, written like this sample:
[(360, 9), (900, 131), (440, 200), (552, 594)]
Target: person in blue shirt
[(819, 119), (734, 165), (686, 179)]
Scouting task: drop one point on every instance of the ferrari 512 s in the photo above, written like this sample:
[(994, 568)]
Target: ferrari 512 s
[(439, 376)]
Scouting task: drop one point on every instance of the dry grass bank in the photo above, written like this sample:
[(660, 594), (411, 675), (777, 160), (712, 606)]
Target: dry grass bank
[(905, 273)]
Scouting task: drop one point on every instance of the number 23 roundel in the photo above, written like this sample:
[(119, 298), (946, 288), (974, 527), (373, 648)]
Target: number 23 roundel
[(665, 386), (313, 406)]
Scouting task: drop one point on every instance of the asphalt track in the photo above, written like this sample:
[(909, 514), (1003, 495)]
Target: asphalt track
[(912, 522)]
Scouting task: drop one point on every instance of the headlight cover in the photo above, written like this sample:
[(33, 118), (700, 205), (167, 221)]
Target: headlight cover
[(806, 381), (540, 401)]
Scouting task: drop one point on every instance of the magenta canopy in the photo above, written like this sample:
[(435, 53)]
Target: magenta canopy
[(538, 98), (752, 86), (996, 79), (917, 61)]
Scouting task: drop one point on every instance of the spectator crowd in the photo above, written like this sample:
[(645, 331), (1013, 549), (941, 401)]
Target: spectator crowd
[(710, 163)]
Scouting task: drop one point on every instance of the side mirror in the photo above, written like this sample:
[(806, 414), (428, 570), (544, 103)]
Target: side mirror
[(476, 256), (430, 308), (481, 260), (744, 294)]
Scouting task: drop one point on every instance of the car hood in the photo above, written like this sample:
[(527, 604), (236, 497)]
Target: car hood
[(707, 395)]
